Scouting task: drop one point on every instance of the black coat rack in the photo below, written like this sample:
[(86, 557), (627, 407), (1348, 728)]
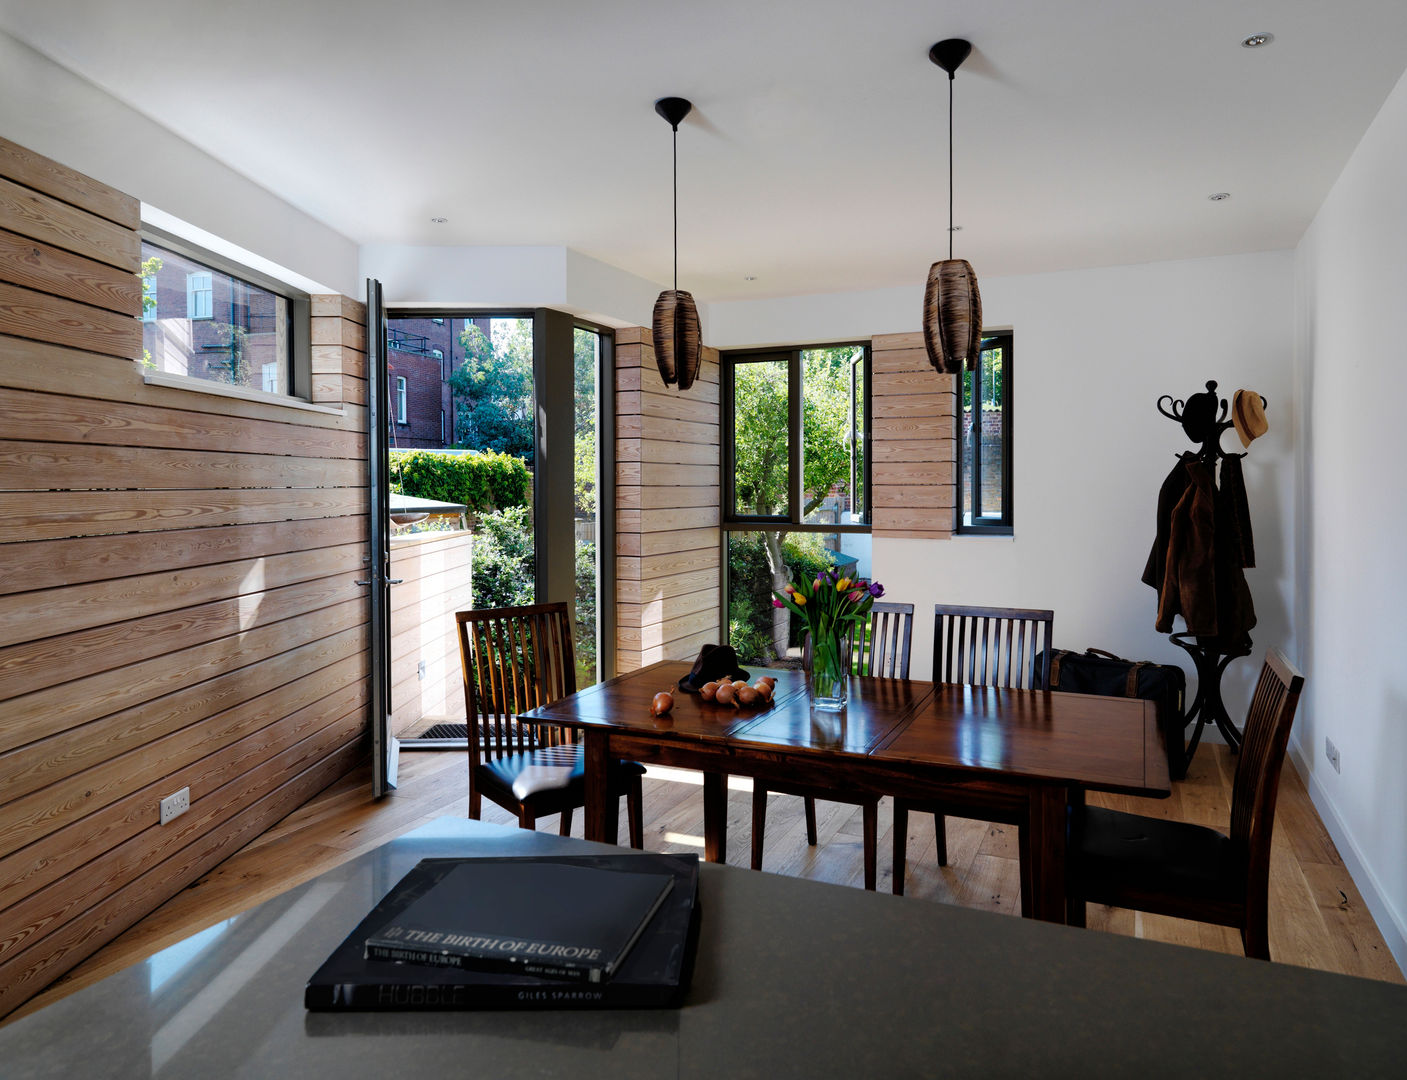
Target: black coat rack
[(1203, 418)]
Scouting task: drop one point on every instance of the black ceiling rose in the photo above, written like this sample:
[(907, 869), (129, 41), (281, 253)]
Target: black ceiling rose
[(674, 109), (949, 54)]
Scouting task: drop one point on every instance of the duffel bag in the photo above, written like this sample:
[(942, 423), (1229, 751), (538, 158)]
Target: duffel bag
[(1095, 671)]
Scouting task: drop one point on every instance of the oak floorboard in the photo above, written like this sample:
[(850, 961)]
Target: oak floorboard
[(1317, 916)]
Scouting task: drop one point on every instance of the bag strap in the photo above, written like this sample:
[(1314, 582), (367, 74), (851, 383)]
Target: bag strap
[(1131, 688), (1106, 655), (1055, 657)]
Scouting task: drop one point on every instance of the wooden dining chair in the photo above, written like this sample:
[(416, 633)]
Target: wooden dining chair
[(1193, 871), (978, 646), (879, 648), (515, 659)]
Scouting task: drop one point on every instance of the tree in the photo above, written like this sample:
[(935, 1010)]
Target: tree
[(584, 358), (761, 447), (493, 389)]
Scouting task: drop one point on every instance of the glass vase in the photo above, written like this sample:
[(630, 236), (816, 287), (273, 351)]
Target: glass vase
[(826, 661)]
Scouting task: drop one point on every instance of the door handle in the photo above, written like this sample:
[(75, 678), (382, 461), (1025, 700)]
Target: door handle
[(389, 581)]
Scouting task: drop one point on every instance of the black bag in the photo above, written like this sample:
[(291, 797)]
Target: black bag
[(1095, 671)]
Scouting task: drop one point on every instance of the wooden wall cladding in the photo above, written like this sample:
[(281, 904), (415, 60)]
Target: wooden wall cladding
[(668, 561), (914, 441), (178, 605)]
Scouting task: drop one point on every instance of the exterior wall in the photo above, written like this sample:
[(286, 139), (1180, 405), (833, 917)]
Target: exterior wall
[(435, 571), (178, 605), (668, 546)]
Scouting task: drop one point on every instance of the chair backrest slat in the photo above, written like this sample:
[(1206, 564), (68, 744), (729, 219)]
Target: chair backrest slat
[(513, 660), (1265, 736), (890, 634), (1008, 646)]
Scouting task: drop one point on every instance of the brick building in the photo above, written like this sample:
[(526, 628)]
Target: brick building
[(421, 353), (209, 325)]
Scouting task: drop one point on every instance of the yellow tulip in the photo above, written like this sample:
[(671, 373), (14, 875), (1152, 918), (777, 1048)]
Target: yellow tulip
[(797, 598), (842, 584)]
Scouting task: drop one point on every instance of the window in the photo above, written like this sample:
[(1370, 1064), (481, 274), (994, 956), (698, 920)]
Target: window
[(438, 354), (400, 399), (984, 441), (200, 295), (795, 482), (237, 328), (148, 297)]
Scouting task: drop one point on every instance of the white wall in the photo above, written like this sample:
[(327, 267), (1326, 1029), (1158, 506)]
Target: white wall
[(48, 109), (1351, 279), (510, 277), (1094, 349)]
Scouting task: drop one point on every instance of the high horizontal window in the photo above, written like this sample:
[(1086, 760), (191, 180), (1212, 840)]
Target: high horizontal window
[(212, 322), (984, 440), (795, 481)]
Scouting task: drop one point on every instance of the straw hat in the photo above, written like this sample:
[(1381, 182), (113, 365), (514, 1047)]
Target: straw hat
[(1248, 414)]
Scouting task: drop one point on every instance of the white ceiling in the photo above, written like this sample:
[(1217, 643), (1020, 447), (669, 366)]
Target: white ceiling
[(1089, 132)]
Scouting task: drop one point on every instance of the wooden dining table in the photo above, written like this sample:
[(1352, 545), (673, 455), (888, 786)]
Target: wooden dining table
[(1020, 757)]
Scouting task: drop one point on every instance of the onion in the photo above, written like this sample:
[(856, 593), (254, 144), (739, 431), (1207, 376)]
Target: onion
[(664, 701)]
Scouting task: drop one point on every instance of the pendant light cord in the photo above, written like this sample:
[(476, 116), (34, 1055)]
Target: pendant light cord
[(676, 207), (951, 80)]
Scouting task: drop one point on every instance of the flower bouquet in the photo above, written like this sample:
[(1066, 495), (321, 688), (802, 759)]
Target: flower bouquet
[(833, 607)]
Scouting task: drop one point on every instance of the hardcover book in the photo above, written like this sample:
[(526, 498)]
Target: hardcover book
[(526, 916), (653, 974)]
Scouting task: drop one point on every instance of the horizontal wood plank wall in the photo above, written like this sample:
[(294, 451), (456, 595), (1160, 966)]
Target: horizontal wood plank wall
[(434, 570), (178, 605), (668, 562), (914, 444)]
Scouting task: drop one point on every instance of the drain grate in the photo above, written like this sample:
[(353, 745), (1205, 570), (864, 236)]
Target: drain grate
[(445, 731)]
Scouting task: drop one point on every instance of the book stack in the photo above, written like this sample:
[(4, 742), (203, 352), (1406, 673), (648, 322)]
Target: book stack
[(537, 932)]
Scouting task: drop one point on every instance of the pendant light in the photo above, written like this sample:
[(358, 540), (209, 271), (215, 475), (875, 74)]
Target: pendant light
[(678, 343), (952, 306)]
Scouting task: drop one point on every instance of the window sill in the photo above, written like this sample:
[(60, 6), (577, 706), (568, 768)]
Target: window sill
[(204, 386), (989, 536)]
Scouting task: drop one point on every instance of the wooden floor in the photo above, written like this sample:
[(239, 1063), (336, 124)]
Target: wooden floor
[(1317, 918)]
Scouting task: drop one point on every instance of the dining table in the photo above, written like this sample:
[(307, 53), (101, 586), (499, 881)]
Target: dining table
[(1019, 757)]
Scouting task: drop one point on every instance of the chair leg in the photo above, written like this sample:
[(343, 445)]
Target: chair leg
[(1255, 937), (476, 805), (635, 813), (901, 844), (759, 822), (810, 808), (565, 828), (526, 818), (940, 837), (871, 820), (1074, 910)]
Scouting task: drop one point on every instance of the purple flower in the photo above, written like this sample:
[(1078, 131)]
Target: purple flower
[(876, 589)]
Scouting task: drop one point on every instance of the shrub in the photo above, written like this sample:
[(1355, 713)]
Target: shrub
[(750, 589), (585, 636), (503, 559), (482, 482)]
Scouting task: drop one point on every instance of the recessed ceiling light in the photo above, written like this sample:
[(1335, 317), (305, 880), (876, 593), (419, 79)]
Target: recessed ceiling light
[(1219, 196), (1256, 41), (439, 220), (750, 277)]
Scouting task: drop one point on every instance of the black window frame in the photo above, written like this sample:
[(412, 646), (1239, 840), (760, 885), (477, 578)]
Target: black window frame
[(297, 364), (796, 480), (963, 476)]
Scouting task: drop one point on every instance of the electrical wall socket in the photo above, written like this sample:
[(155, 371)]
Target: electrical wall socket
[(173, 806), (420, 670), (1332, 753)]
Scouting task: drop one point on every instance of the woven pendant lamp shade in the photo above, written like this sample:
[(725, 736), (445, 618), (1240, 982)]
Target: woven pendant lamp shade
[(678, 343), (952, 316)]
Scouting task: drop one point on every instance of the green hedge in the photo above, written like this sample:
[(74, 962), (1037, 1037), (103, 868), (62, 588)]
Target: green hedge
[(482, 482)]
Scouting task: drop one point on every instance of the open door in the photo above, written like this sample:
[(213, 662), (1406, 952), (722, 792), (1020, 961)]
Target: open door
[(378, 580)]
